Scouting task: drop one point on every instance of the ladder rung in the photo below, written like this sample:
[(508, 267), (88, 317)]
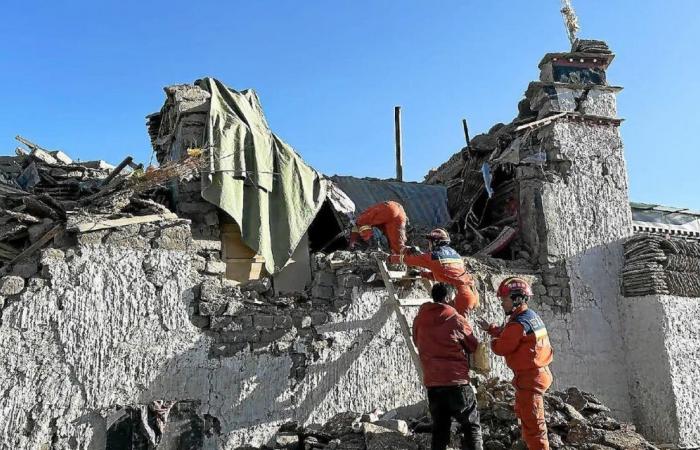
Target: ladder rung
[(414, 301)]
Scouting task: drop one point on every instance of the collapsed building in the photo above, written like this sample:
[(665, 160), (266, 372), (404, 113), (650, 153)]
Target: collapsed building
[(208, 303)]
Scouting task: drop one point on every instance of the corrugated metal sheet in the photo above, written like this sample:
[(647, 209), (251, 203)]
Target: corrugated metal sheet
[(425, 205)]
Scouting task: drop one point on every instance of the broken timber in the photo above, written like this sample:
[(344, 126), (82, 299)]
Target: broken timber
[(403, 323), (115, 223)]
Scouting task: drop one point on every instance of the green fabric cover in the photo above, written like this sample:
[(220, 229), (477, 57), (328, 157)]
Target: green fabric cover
[(258, 179)]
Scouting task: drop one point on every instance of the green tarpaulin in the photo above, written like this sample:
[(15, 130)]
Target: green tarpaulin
[(259, 180)]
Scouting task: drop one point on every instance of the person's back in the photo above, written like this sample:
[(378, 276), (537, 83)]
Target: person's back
[(389, 217), (440, 334), (444, 338)]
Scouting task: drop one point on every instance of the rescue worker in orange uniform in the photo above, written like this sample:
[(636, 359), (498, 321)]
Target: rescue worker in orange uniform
[(391, 220), (523, 341), (444, 265)]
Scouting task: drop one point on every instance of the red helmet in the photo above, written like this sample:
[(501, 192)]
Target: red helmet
[(514, 286), (439, 235)]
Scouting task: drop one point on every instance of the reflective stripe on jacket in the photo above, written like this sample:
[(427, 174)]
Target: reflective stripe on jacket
[(446, 266), (523, 341)]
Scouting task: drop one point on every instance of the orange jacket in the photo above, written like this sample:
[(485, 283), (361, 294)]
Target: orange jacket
[(389, 217), (523, 341), (443, 338), (447, 266)]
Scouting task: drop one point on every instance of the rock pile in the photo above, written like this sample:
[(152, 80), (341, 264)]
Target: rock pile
[(659, 265), (575, 420)]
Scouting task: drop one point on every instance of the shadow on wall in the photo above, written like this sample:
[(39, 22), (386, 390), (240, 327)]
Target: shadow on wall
[(243, 399)]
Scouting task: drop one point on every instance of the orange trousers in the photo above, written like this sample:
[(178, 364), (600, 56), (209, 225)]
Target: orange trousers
[(395, 235), (530, 386), (466, 298)]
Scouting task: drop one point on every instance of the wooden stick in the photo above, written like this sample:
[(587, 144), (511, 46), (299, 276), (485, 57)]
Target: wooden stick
[(116, 223), (127, 161), (397, 130), (38, 244), (466, 131)]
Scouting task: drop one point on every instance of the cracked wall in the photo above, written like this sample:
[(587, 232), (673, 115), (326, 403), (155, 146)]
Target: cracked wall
[(103, 326)]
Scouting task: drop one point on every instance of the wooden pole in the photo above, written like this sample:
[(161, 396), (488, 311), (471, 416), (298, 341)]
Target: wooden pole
[(466, 131), (399, 156)]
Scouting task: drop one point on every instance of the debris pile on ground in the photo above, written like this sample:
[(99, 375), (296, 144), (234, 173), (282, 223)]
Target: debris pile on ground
[(659, 265), (575, 420)]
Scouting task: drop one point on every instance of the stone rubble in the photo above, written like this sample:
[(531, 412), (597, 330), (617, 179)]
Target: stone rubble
[(575, 420)]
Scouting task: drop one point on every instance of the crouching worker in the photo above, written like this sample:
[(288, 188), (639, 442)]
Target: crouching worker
[(524, 342), (389, 217), (444, 338), (445, 265)]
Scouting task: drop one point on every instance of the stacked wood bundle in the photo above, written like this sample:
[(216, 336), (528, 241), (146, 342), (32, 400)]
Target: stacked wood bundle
[(659, 265)]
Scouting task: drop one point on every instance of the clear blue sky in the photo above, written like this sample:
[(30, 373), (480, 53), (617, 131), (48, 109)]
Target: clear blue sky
[(81, 75)]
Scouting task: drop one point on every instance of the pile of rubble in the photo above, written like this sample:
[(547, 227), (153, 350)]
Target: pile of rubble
[(575, 420), (659, 265), (45, 193)]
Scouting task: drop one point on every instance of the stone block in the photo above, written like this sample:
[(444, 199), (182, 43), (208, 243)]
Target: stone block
[(25, 269), (200, 321), (349, 280), (554, 291), (263, 321), (324, 279), (210, 289), (283, 321), (206, 244), (319, 291), (306, 322), (318, 318), (224, 322), (38, 230), (287, 440), (244, 321), (393, 424), (260, 286), (233, 307), (173, 238), (198, 262), (215, 267), (36, 283), (11, 285), (539, 289), (227, 350), (212, 218), (51, 255), (215, 307), (198, 208)]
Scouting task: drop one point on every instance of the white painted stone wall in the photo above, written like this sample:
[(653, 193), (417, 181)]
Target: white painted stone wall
[(662, 336), (579, 217), (103, 332)]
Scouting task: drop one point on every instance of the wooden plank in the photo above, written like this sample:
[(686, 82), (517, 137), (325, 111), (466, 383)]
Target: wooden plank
[(37, 245), (540, 122), (414, 301), (116, 223), (403, 323), (399, 154)]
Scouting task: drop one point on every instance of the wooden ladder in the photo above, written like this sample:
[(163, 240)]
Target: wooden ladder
[(397, 305)]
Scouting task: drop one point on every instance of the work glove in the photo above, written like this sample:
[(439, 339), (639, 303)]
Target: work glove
[(413, 272)]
